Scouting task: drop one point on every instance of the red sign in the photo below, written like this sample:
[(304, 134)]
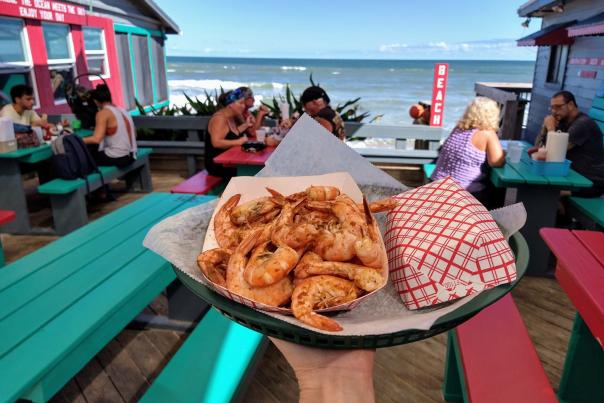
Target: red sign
[(439, 89), (588, 74), (44, 10)]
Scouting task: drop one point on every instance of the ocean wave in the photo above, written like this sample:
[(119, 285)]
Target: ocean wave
[(298, 68), (273, 85), (203, 84), (170, 71), (336, 73)]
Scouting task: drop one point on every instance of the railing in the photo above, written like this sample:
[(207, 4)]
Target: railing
[(513, 99)]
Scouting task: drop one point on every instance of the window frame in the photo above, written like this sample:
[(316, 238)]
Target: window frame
[(26, 66), (93, 53), (560, 52), (55, 63)]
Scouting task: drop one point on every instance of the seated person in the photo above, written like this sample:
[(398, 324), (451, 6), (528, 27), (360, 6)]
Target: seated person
[(471, 148), (224, 133), (316, 103), (21, 110), (257, 120), (585, 148), (114, 131)]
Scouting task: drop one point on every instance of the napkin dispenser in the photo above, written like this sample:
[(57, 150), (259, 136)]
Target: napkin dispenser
[(556, 146), (8, 142)]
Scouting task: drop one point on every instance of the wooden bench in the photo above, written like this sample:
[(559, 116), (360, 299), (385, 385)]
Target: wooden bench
[(490, 358), (200, 183), (5, 217), (68, 197), (60, 305), (211, 364)]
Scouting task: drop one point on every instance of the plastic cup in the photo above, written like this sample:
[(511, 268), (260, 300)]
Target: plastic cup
[(514, 152), (260, 135)]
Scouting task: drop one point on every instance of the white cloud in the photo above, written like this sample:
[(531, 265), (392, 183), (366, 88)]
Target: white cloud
[(439, 45), (393, 47)]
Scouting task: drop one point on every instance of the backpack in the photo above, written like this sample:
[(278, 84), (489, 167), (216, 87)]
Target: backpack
[(71, 159)]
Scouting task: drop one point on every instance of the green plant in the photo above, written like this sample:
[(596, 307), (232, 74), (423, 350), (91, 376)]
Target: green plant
[(349, 111)]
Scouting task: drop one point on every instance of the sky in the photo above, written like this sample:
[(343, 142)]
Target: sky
[(337, 29)]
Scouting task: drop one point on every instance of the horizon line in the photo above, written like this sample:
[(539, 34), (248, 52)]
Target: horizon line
[(347, 59)]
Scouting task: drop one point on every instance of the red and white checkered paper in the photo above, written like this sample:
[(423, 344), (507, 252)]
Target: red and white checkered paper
[(442, 245)]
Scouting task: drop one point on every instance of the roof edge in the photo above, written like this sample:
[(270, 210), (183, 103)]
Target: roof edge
[(532, 7), (170, 25)]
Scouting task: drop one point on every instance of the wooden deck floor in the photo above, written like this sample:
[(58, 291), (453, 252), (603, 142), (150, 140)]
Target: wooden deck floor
[(410, 373)]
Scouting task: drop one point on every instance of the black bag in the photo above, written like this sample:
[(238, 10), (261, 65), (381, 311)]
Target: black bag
[(71, 159)]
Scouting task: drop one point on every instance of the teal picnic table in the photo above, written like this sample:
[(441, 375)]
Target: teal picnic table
[(10, 178), (540, 195)]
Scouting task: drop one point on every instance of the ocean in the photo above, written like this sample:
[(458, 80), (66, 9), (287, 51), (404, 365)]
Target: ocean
[(386, 87)]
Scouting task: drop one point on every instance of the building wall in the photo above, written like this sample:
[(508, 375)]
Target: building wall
[(122, 12), (584, 89)]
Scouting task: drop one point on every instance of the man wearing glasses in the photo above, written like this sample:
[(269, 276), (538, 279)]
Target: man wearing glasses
[(585, 148)]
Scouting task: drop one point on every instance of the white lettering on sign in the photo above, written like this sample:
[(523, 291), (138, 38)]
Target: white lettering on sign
[(60, 7), (81, 11), (46, 15), (60, 17), (28, 12), (43, 4), (9, 1), (26, 3), (439, 89)]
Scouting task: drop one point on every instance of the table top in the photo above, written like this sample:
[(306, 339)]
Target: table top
[(36, 154), (514, 174), (580, 272), (236, 156)]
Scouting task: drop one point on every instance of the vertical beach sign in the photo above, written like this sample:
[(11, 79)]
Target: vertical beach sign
[(439, 90)]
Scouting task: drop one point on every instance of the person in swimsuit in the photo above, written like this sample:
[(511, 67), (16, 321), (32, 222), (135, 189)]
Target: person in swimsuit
[(224, 133), (257, 120), (114, 131)]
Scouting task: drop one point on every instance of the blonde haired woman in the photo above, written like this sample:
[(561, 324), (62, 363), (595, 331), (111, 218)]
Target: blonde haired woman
[(471, 148)]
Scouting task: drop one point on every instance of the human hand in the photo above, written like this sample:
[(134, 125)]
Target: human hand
[(263, 109), (241, 140), (250, 120), (271, 141), (330, 375), (550, 123)]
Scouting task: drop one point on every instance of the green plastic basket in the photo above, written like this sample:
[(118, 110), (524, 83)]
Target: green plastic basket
[(273, 327)]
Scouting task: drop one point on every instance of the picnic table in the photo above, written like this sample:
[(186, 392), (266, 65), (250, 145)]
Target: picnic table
[(5, 217), (247, 163), (580, 272), (540, 195), (10, 178)]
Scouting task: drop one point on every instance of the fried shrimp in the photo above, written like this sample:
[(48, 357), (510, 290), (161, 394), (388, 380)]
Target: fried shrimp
[(213, 263), (321, 292), (227, 234), (300, 271), (267, 267), (366, 278), (316, 193), (369, 248), (254, 210), (380, 206), (275, 295)]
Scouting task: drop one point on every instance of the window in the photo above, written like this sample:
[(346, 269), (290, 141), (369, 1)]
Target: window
[(15, 60), (96, 54), (61, 60), (159, 63), (142, 68), (557, 64), (123, 53)]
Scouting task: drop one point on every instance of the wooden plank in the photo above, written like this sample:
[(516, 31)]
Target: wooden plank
[(593, 242), (580, 275), (29, 264), (71, 393), (209, 366), (418, 132), (6, 216), (147, 357), (506, 176), (96, 385), (577, 180), (122, 371)]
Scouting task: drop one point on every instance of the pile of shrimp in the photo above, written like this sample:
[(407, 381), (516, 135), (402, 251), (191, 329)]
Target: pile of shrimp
[(313, 249)]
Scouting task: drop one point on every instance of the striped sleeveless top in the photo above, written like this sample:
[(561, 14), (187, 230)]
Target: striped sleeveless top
[(461, 160)]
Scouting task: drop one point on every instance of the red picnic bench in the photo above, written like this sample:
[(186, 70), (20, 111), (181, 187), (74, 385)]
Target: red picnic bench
[(490, 358), (5, 217), (200, 183), (580, 272)]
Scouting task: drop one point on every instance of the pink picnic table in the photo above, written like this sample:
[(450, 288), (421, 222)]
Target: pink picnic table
[(580, 272), (6, 216), (247, 163)]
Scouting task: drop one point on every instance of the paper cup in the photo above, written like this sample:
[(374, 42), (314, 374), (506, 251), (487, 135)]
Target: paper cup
[(514, 152), (260, 135)]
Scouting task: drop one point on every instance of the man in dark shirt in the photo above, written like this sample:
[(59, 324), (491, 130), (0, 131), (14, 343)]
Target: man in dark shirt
[(316, 103), (585, 146)]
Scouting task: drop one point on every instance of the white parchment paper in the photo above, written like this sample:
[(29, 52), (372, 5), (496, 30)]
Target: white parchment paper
[(309, 149)]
